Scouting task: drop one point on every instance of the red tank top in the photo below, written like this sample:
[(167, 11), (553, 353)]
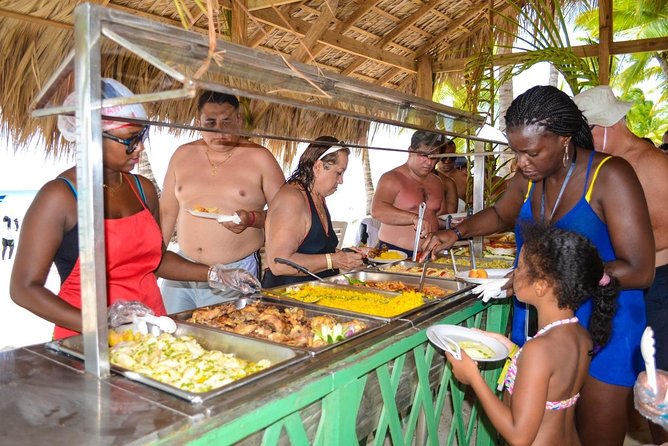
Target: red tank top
[(133, 251)]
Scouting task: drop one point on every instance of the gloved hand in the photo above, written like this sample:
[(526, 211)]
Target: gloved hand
[(491, 289), (241, 280)]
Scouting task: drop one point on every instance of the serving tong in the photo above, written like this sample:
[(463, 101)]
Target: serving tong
[(418, 229)]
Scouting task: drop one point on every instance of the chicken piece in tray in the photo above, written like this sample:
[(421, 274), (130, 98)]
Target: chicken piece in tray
[(288, 326)]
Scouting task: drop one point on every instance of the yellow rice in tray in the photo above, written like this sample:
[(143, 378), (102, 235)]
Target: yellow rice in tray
[(360, 302)]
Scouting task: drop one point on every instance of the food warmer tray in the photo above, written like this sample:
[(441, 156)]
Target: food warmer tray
[(341, 315), (375, 276), (418, 265), (278, 294), (250, 349)]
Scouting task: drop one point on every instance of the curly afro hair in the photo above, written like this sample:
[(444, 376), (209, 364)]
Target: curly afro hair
[(571, 264)]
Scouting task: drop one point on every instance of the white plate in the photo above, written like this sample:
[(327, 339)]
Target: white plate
[(458, 215), (493, 274), (221, 218), (403, 255), (458, 334)]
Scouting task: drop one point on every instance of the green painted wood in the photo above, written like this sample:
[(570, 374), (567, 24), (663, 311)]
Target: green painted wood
[(339, 414), (295, 429), (339, 389), (389, 417)]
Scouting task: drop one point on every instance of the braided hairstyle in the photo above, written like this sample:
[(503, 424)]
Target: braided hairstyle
[(571, 264), (303, 174), (552, 109)]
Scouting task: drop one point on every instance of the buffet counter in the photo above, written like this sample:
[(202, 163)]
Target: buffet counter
[(388, 382)]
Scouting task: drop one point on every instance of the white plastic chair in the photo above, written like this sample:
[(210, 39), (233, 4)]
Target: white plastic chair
[(340, 231)]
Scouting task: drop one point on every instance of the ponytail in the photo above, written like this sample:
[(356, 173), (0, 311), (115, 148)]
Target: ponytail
[(604, 303)]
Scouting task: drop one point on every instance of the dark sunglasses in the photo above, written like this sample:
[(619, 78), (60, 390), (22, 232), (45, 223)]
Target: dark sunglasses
[(130, 144)]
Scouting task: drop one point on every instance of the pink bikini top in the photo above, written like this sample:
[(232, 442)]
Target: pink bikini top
[(509, 382)]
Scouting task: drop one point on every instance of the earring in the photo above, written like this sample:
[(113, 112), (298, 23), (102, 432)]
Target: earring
[(566, 156)]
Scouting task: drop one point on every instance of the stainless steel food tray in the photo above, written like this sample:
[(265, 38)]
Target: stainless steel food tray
[(376, 276), (409, 264), (278, 294), (250, 349), (341, 316)]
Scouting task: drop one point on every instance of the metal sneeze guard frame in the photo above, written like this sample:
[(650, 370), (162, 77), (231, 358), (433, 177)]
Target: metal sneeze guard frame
[(340, 391)]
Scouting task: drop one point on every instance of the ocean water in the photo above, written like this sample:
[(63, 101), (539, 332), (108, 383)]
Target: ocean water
[(16, 203)]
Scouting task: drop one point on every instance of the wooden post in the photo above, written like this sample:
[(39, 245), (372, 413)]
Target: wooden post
[(425, 86), (605, 40), (239, 21)]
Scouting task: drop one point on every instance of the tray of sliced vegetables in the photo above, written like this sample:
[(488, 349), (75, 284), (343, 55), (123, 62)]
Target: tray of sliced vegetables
[(194, 363)]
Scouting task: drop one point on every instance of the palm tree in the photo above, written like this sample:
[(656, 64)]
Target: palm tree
[(635, 19)]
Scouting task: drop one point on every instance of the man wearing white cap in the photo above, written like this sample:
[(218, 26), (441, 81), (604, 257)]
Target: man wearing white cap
[(606, 116)]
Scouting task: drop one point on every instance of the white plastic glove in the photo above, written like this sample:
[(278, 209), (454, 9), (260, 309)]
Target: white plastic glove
[(491, 289), (238, 279)]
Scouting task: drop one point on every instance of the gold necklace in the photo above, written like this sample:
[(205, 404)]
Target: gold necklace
[(120, 183), (215, 166)]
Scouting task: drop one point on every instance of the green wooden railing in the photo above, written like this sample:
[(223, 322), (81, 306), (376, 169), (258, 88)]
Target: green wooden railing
[(397, 389)]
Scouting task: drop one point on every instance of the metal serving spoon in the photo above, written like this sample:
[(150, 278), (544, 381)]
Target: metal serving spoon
[(298, 267)]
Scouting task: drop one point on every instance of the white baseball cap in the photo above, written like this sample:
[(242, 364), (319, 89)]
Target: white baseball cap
[(600, 106)]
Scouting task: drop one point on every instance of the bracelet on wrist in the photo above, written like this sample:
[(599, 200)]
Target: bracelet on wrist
[(459, 234), (330, 264), (251, 218)]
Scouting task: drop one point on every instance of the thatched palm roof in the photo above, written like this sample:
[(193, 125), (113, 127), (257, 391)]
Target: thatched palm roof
[(394, 43)]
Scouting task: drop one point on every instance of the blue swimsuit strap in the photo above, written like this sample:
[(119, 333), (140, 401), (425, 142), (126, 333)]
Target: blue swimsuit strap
[(70, 185), (140, 188)]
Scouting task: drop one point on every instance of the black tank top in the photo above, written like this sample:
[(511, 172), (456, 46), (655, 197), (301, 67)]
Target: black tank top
[(316, 242)]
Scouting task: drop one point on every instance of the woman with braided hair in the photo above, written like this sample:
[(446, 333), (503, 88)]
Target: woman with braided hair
[(564, 183), (556, 272)]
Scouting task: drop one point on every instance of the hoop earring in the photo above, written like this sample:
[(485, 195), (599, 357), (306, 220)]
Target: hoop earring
[(566, 157)]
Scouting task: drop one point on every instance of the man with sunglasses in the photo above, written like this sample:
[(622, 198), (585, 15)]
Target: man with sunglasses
[(401, 190), (607, 117), (224, 172)]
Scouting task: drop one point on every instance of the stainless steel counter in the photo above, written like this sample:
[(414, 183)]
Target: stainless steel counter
[(47, 398)]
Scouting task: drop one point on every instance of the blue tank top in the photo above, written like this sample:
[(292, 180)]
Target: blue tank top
[(619, 361), (317, 241)]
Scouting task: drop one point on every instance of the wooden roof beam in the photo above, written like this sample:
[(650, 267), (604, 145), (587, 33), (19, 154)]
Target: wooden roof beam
[(255, 5), (336, 40), (343, 26), (408, 22), (303, 52), (405, 24), (617, 48), (456, 23)]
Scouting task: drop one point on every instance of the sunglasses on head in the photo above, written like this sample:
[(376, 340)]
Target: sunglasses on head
[(130, 144)]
